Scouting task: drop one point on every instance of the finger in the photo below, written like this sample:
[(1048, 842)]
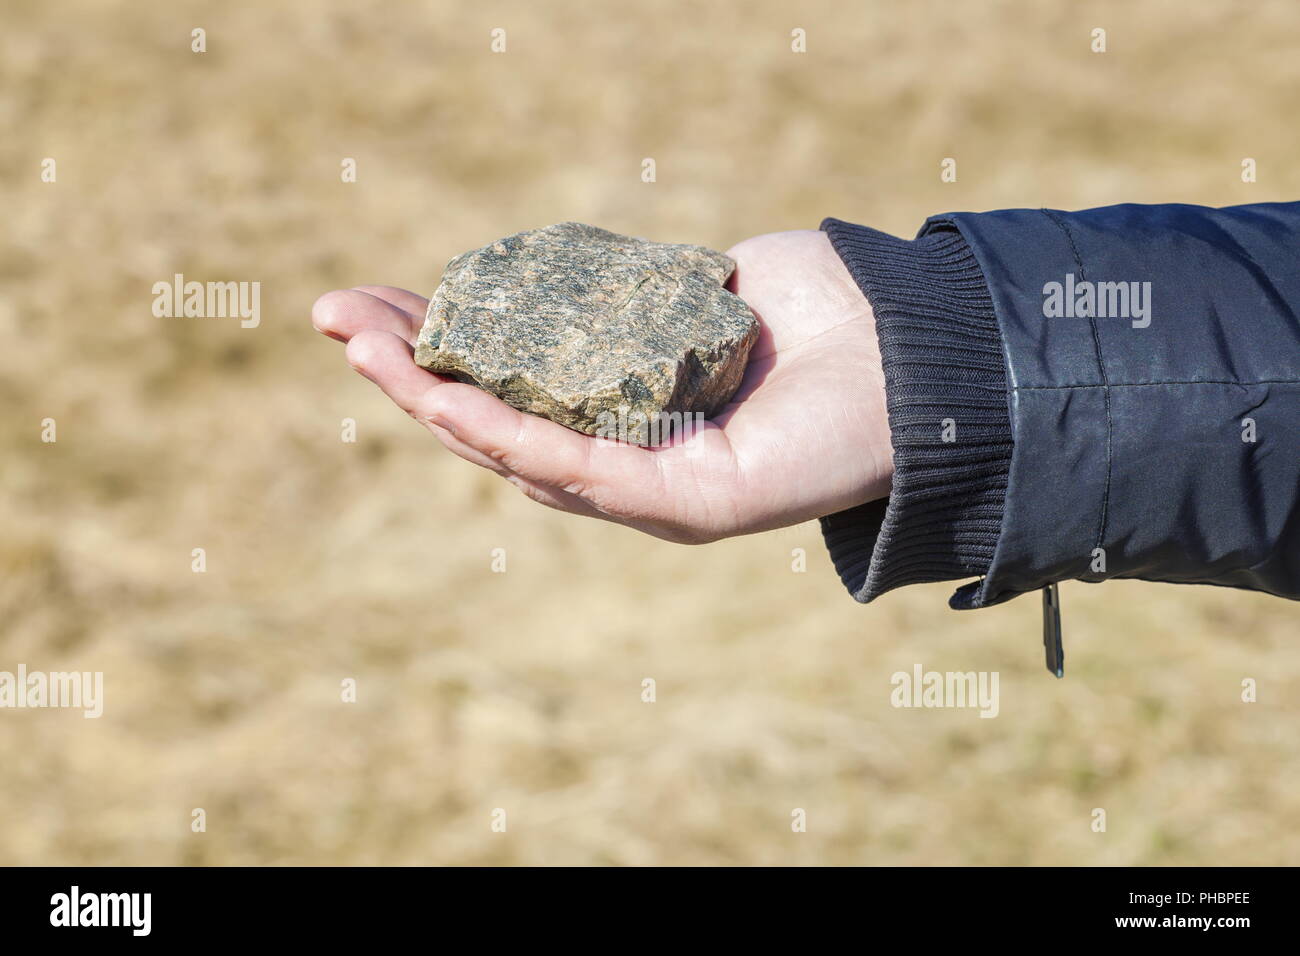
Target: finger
[(344, 313), (617, 479), (386, 360), (408, 302), (543, 494), (555, 498)]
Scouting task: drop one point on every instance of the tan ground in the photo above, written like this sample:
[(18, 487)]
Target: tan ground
[(371, 561)]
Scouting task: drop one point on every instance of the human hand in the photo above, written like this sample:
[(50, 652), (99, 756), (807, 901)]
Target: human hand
[(805, 435)]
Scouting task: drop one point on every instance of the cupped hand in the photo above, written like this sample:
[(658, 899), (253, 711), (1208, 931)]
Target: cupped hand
[(806, 434)]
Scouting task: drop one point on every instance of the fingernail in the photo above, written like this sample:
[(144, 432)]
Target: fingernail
[(441, 422)]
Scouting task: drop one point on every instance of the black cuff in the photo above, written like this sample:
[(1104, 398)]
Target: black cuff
[(946, 392)]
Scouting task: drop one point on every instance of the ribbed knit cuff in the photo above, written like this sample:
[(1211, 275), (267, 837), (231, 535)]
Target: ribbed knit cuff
[(946, 393)]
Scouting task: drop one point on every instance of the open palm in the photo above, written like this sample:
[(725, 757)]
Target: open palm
[(806, 434)]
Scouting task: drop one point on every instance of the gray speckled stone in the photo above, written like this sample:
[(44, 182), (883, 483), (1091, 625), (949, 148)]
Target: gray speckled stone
[(576, 324)]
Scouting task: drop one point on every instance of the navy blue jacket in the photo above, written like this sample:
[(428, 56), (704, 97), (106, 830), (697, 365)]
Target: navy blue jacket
[(1112, 393)]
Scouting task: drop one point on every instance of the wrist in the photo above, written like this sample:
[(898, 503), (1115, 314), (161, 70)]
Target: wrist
[(949, 427)]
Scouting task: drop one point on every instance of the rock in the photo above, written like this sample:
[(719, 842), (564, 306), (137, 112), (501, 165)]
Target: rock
[(606, 334)]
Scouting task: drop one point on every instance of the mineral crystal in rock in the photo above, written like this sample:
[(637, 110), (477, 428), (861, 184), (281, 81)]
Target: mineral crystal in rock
[(607, 334)]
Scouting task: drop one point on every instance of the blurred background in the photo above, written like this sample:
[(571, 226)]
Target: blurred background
[(372, 560)]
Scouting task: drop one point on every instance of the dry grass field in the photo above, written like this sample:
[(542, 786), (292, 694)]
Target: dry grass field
[(371, 560)]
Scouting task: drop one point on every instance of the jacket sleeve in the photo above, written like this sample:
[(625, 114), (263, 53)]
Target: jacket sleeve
[(1084, 395)]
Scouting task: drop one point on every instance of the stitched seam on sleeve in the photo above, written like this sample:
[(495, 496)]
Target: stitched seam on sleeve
[(1105, 383), (1266, 381)]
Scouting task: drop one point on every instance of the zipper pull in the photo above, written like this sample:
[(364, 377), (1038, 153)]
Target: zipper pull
[(1052, 630)]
